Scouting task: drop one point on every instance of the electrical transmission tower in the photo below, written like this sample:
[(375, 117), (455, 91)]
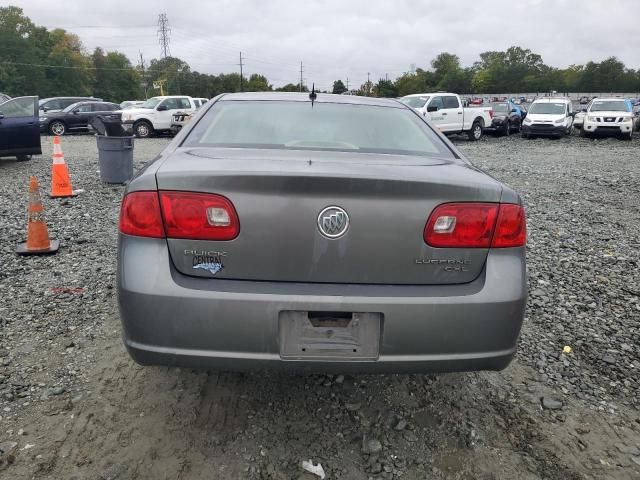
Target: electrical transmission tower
[(163, 34), (301, 78)]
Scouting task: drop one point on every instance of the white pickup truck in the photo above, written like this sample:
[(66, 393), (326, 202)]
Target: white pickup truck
[(448, 115), (156, 115)]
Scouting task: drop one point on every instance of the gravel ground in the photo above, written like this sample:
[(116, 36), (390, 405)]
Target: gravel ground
[(74, 406)]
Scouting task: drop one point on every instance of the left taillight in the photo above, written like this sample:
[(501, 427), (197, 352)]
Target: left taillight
[(198, 216), (140, 215)]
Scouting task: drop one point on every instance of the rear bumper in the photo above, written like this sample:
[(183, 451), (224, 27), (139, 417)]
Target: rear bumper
[(543, 130), (172, 319)]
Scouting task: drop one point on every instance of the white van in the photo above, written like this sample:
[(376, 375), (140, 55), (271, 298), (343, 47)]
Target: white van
[(549, 117)]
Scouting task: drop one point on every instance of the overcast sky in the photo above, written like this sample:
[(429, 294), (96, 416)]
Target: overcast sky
[(347, 38)]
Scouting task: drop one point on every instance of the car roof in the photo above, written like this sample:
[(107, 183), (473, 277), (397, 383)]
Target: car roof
[(321, 98), (552, 100), (68, 98), (610, 99)]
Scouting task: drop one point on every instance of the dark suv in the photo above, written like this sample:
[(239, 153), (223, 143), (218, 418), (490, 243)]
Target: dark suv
[(75, 117), (55, 104)]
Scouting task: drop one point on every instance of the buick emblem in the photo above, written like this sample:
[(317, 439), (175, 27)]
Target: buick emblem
[(333, 222)]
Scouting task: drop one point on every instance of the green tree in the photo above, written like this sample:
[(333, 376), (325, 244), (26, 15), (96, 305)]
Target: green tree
[(290, 87), (385, 88), (115, 79), (258, 83), (339, 87), (71, 73), (21, 44)]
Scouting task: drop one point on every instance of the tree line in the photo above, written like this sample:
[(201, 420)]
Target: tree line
[(516, 70), (38, 61)]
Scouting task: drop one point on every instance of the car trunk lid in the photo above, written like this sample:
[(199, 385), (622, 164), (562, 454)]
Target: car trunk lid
[(279, 195)]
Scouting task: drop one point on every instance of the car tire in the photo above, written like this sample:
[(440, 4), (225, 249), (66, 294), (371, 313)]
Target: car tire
[(23, 158), (584, 134), (476, 131), (629, 137), (57, 128), (142, 129), (507, 130), (569, 130), (518, 128)]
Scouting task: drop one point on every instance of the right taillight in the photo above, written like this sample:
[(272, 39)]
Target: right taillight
[(476, 225)]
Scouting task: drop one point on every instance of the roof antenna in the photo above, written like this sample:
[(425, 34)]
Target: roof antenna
[(313, 95)]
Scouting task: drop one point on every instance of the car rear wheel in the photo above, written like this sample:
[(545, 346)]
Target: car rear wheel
[(142, 129), (475, 133), (507, 129), (57, 128)]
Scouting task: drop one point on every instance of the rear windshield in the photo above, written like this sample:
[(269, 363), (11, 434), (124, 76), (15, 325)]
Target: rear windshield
[(415, 102), (325, 126), (609, 106), (500, 107), (548, 108)]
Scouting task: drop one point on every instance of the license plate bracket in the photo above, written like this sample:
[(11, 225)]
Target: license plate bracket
[(329, 336)]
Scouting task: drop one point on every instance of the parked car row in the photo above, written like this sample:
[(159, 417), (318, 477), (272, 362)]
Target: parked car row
[(546, 116)]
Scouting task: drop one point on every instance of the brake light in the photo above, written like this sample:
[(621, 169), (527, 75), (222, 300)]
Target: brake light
[(140, 215), (511, 227), (491, 113), (476, 225), (461, 225), (198, 216)]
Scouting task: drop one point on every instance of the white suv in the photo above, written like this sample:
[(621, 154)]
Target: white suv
[(549, 117), (609, 116)]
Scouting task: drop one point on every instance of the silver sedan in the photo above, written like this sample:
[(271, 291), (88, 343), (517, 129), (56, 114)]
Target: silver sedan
[(328, 233)]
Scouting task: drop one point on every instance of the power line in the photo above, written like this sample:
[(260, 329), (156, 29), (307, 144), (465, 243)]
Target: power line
[(163, 34)]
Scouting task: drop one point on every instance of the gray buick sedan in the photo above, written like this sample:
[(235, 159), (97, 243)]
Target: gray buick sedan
[(327, 233)]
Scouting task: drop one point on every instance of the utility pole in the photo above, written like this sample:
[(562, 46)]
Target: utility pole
[(368, 83), (301, 76), (347, 84), (241, 78), (163, 34), (144, 76)]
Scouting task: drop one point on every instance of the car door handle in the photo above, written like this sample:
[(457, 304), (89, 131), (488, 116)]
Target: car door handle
[(459, 113), (444, 113)]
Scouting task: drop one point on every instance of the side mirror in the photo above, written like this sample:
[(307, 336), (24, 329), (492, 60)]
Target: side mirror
[(162, 108), (584, 110), (45, 109), (513, 110), (432, 108), (76, 112)]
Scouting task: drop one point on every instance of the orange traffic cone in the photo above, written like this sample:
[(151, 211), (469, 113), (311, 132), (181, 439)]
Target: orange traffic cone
[(60, 181), (38, 242)]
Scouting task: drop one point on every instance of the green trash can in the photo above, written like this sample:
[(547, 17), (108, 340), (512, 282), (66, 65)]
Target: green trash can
[(115, 157)]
